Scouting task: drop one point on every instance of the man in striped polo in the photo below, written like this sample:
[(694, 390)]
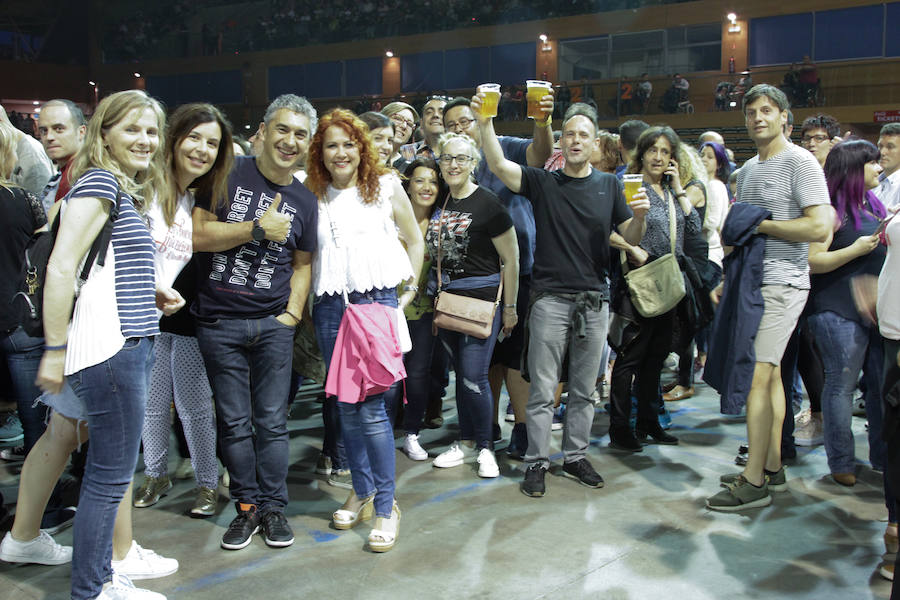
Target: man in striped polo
[(787, 181)]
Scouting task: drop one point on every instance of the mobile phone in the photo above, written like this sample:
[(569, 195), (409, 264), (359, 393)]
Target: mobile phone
[(883, 225), (666, 177)]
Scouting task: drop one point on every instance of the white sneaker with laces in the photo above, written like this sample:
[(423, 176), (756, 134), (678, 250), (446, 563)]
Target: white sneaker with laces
[(452, 457), (141, 563), (42, 550), (121, 588), (487, 464), (412, 448)]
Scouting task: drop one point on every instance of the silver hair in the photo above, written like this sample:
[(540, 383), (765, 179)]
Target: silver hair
[(450, 137), (293, 103)]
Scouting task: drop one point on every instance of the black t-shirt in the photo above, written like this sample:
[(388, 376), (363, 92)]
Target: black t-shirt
[(573, 218), (253, 279), (22, 214), (467, 232)]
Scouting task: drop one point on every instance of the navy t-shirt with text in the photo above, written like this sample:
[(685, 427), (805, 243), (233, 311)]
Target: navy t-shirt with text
[(253, 279)]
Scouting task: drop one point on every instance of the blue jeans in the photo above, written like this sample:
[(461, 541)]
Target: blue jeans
[(23, 356), (471, 358), (366, 432), (249, 366), (417, 384), (114, 393), (845, 346), (418, 372)]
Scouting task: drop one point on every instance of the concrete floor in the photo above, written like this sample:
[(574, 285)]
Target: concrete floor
[(646, 534)]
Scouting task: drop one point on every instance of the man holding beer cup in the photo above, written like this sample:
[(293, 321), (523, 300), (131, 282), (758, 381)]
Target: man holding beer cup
[(459, 118), (575, 210)]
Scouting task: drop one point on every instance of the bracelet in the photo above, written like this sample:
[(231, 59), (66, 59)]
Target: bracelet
[(505, 306), (410, 288), (52, 348), (546, 123), (292, 315)]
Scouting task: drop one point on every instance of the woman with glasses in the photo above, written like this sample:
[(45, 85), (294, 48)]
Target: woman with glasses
[(472, 233), (405, 119)]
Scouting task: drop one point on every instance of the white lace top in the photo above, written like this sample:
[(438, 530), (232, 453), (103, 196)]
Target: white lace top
[(359, 247)]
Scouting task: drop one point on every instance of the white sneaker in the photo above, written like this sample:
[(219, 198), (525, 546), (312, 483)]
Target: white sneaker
[(487, 464), (413, 449), (141, 563), (809, 429), (42, 550), (452, 457), (121, 588)]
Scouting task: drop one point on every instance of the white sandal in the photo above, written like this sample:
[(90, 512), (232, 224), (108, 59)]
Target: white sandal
[(384, 534), (343, 518)]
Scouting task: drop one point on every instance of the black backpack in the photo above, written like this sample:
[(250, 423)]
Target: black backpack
[(28, 302)]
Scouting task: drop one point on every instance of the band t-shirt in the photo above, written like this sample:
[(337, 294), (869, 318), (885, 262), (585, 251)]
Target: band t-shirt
[(253, 279), (467, 228), (574, 217)]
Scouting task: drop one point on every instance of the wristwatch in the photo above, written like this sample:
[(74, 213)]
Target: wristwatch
[(259, 234)]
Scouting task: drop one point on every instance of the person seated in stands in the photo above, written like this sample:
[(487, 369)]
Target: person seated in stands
[(644, 91)]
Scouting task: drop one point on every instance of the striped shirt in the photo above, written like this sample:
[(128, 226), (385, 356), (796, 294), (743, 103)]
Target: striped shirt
[(786, 184), (135, 275)]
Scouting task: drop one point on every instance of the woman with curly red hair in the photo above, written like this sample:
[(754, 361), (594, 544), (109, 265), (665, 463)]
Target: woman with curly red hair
[(360, 260)]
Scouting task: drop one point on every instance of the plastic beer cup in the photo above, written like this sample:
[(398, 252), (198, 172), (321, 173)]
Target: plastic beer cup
[(491, 100), (633, 182), (536, 90)]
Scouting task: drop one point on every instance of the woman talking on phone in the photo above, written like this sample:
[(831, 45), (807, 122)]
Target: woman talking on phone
[(646, 341)]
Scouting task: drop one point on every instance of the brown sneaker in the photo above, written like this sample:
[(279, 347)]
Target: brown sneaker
[(205, 502)]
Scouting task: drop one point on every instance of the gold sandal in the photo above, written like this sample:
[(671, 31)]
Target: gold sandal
[(384, 534), (345, 518)]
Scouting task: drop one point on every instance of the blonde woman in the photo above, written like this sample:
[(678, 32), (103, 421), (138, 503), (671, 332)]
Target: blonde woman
[(105, 353)]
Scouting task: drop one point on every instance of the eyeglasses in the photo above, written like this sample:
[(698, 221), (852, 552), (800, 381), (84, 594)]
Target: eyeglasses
[(463, 124), (814, 138), (409, 123), (441, 98), (461, 159)]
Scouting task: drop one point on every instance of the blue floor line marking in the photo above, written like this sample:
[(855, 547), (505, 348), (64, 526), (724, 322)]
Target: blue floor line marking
[(225, 576)]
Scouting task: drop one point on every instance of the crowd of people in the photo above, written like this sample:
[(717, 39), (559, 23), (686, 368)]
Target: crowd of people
[(194, 270), (283, 22)]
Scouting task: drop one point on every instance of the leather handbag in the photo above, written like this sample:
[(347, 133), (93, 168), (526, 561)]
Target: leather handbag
[(471, 316), (657, 287)]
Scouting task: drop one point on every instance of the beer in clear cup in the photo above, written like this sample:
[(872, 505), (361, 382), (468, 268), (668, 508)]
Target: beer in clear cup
[(633, 182), (536, 90), (491, 99)]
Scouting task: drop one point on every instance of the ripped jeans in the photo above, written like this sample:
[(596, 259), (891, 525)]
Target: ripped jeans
[(471, 358)]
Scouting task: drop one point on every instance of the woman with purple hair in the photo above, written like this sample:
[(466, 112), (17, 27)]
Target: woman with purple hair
[(846, 340)]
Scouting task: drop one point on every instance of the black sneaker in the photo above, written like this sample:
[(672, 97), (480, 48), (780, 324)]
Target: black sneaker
[(584, 472), (533, 484), (276, 530), (657, 434), (242, 528), (623, 439)]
